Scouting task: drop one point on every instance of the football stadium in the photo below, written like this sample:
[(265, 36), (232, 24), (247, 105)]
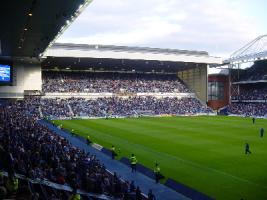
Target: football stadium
[(103, 122)]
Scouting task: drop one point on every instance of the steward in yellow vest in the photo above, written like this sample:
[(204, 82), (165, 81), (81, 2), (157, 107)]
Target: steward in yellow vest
[(12, 184), (75, 197), (113, 152), (157, 172), (88, 140), (133, 161)]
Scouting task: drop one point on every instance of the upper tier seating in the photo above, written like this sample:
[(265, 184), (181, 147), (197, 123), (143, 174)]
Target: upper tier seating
[(111, 82)]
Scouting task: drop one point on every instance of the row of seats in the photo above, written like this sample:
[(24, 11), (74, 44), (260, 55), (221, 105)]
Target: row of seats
[(113, 82), (250, 93), (31, 149), (249, 109), (115, 106), (13, 187), (255, 73)]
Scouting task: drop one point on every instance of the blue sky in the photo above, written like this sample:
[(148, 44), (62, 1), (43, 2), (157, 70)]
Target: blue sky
[(217, 26)]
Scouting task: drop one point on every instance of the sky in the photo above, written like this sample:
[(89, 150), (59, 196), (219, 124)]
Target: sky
[(217, 26)]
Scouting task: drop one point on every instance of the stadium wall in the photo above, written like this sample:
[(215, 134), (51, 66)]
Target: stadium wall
[(224, 101), (196, 79), (26, 77)]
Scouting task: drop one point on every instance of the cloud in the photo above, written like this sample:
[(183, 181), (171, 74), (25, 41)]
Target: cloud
[(217, 26)]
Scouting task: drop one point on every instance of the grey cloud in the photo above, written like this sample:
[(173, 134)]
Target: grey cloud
[(217, 26)]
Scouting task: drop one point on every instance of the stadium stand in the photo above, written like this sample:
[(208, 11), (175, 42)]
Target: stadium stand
[(123, 88), (115, 106), (114, 82), (255, 73), (40, 189), (32, 150), (249, 109), (249, 92)]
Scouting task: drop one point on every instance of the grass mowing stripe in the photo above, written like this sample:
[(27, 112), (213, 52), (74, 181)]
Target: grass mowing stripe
[(199, 130)]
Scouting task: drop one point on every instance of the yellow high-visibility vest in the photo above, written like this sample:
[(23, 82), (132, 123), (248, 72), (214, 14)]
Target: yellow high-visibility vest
[(12, 184), (157, 169), (133, 160), (75, 197)]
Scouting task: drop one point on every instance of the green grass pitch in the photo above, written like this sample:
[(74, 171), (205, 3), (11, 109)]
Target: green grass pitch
[(206, 153)]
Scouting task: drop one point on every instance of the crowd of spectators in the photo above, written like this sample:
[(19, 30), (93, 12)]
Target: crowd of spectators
[(113, 82), (258, 71), (11, 191), (31, 149), (55, 107), (249, 109), (118, 106), (251, 94), (22, 188)]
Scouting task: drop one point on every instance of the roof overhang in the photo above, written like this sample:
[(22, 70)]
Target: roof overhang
[(131, 53), (249, 82), (29, 27), (108, 64)]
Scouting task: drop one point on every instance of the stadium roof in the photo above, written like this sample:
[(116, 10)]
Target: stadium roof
[(253, 51), (28, 27), (106, 64), (84, 51), (86, 47)]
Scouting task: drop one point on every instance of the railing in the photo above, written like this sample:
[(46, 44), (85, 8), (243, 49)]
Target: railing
[(248, 101), (11, 95), (107, 94), (59, 186)]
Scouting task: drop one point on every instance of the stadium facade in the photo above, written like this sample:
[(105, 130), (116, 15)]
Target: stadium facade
[(190, 66)]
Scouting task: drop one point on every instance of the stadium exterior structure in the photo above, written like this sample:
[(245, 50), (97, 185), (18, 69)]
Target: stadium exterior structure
[(29, 31), (252, 53), (190, 66), (32, 49), (133, 53)]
